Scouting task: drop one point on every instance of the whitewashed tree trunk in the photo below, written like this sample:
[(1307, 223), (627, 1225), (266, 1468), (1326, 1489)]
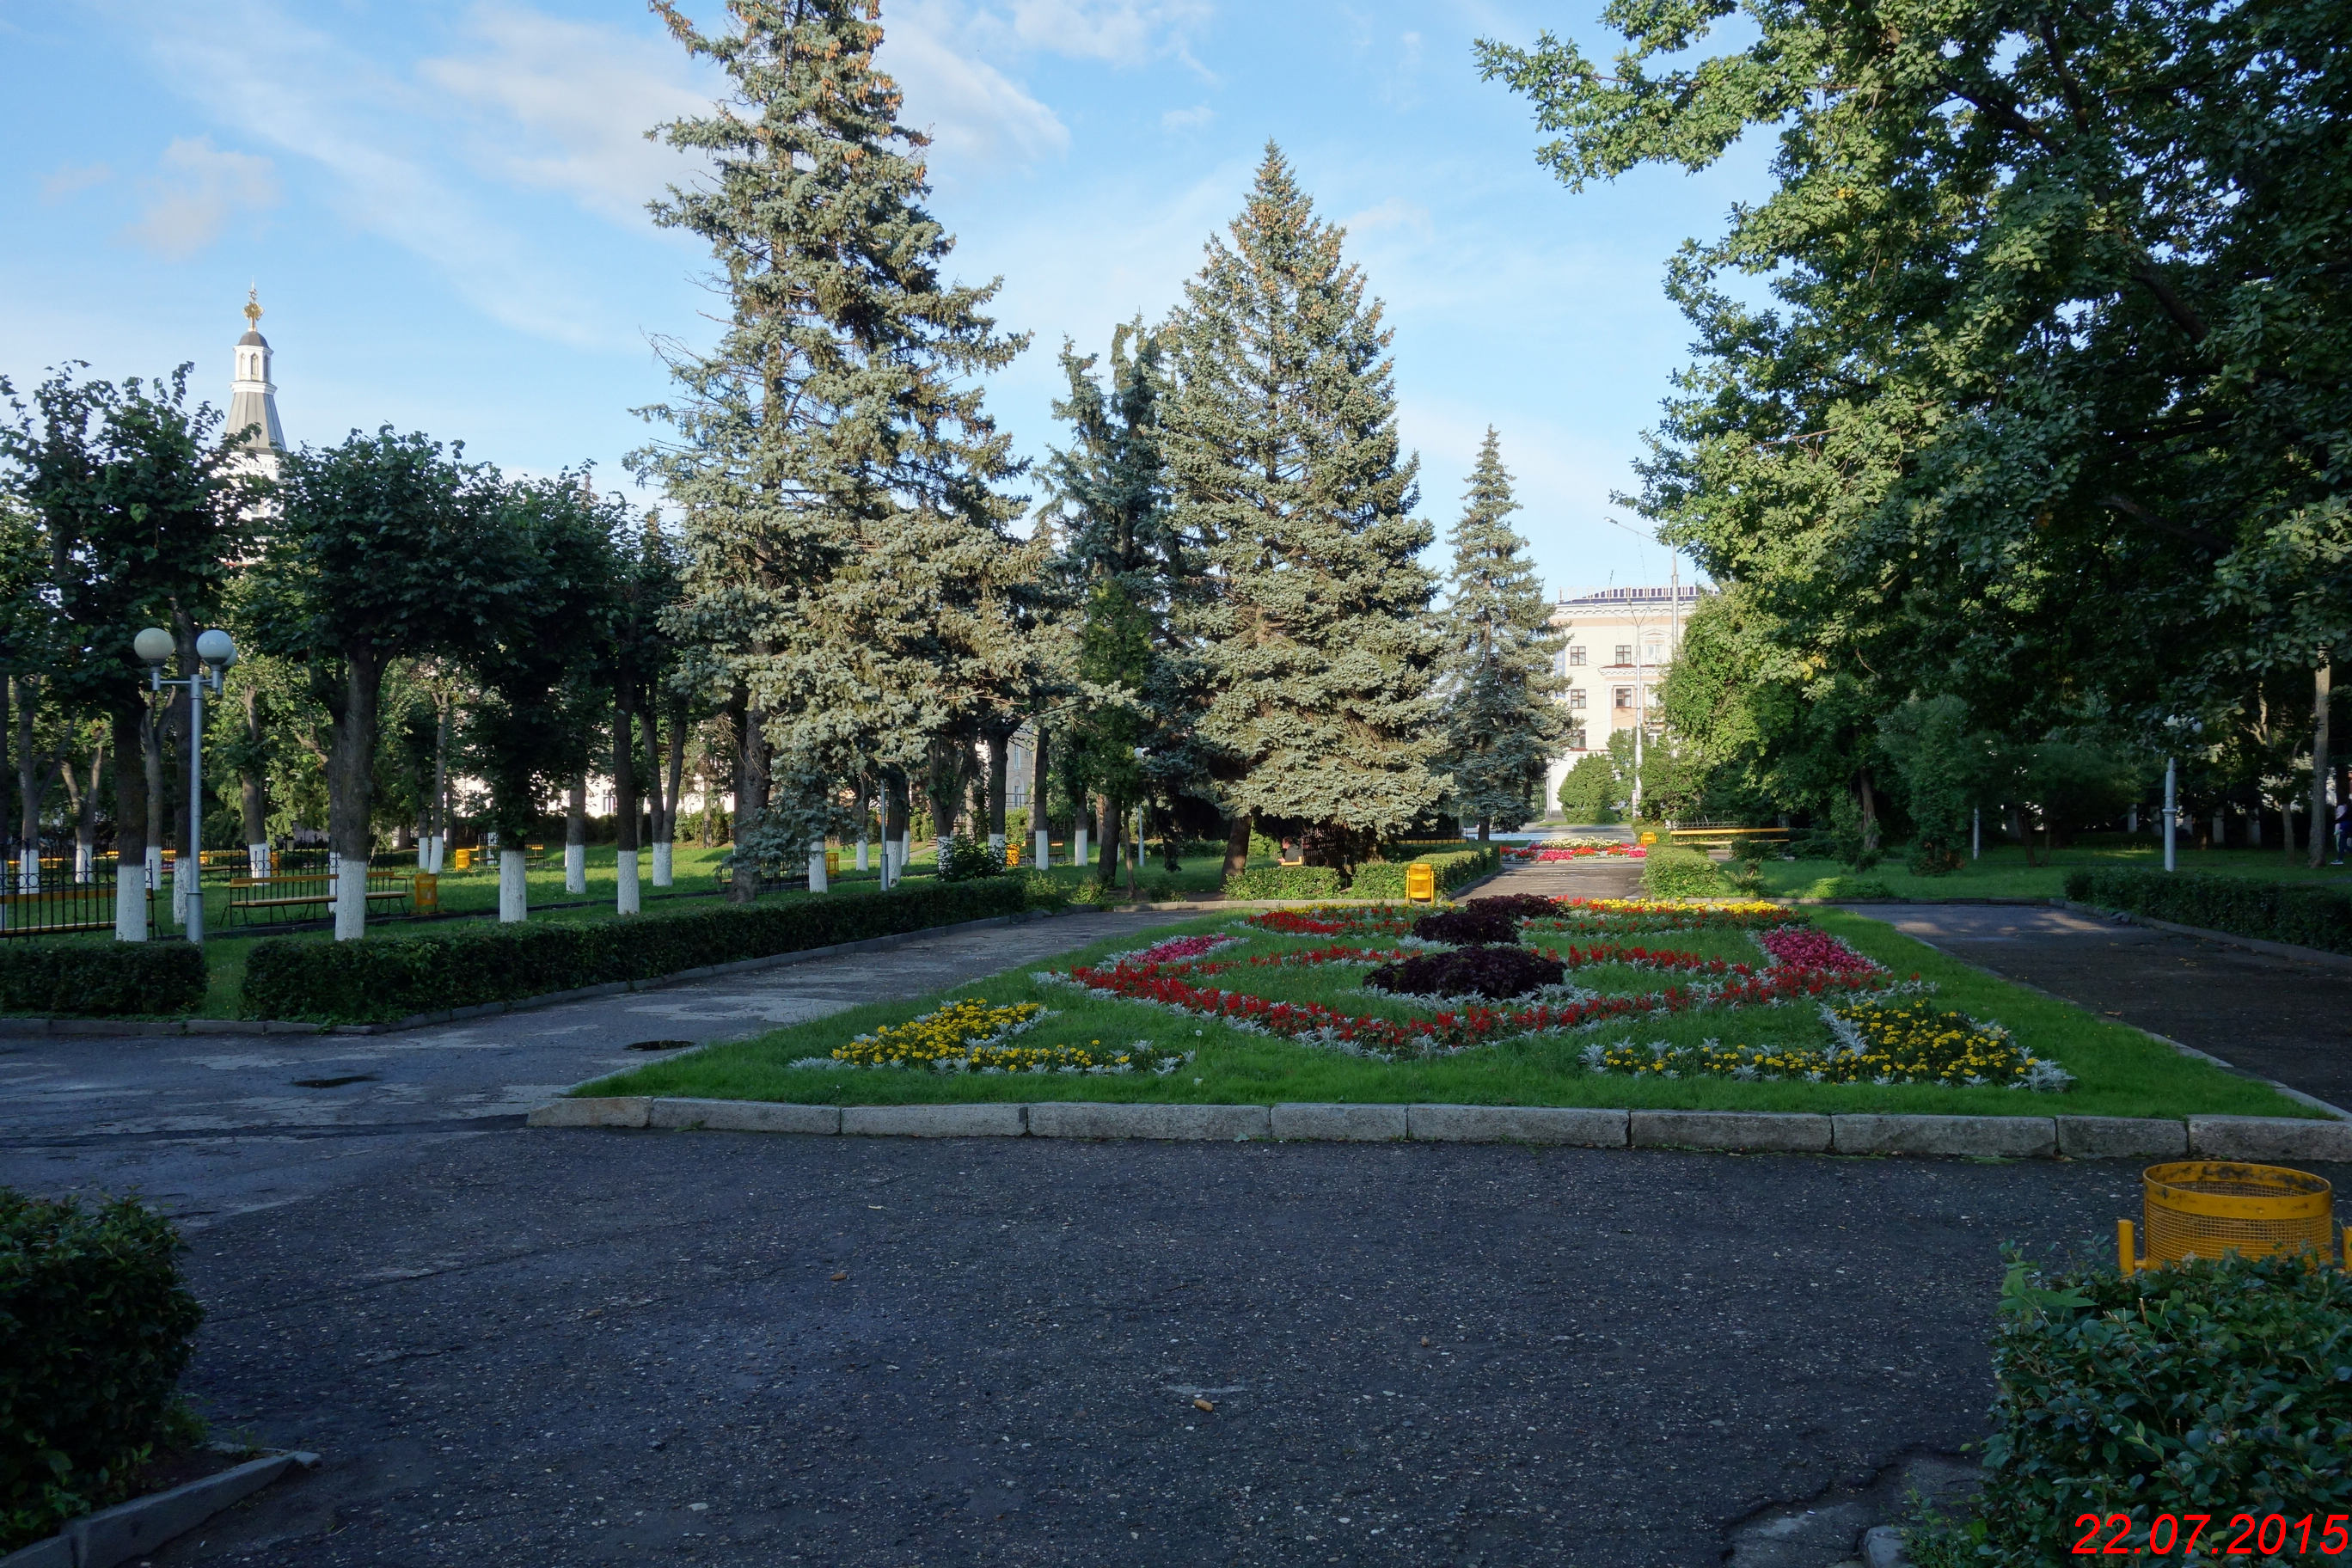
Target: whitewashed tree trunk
[(180, 880), (1078, 846), (514, 890), (350, 888), (1042, 855), (575, 867), (817, 883), (626, 863), (661, 862), (996, 847), (83, 871), (154, 867), (861, 849), (257, 860)]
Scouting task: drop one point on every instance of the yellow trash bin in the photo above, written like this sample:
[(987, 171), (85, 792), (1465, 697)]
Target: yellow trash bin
[(1420, 883), (2205, 1207), (833, 862), (426, 896), (461, 859), (1013, 852), (1648, 839)]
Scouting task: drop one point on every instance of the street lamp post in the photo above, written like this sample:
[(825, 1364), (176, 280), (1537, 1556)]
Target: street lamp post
[(215, 651)]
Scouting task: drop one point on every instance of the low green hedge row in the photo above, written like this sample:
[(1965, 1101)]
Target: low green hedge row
[(2220, 1388), (111, 979), (1671, 872), (384, 978), (95, 1329), (1374, 878), (2270, 911)]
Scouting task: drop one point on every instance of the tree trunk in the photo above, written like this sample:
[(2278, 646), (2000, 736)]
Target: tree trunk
[(1041, 826), (1869, 816), (666, 830), (129, 723), (350, 793), (999, 759), (624, 799), (1237, 842), (151, 759), (575, 838), (1106, 869), (1483, 826), (895, 812), (30, 786), (2321, 679), (750, 792), (82, 797), (252, 802), (187, 880), (656, 804), (440, 784)]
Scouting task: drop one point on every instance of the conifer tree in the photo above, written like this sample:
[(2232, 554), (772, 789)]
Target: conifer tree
[(1281, 441), (1504, 725), (847, 568)]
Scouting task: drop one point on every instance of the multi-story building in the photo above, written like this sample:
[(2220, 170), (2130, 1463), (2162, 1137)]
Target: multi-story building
[(1616, 644)]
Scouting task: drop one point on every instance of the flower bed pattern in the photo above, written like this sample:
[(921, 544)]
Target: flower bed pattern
[(1802, 947), (1652, 916), (1555, 850), (1877, 1042), (971, 1035)]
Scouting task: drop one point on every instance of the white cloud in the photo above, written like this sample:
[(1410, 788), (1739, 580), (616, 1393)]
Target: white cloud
[(973, 113), (565, 105), (1120, 31), (1191, 119), (1393, 213), (197, 191), (71, 179)]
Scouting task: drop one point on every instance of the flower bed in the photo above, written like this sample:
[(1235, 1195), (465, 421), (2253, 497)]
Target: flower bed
[(1553, 850), (1651, 917), (970, 1036), (1334, 920), (1492, 974), (1805, 948), (1875, 1042)]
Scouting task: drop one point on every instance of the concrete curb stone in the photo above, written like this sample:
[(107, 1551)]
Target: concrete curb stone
[(2121, 1138), (1768, 1131), (1515, 1124), (135, 1528), (2268, 1138), (1340, 1123), (612, 1110), (1983, 1137), (746, 1116), (934, 1120), (1079, 1119)]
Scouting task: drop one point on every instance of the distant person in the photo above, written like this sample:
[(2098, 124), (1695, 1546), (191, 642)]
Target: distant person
[(2342, 828)]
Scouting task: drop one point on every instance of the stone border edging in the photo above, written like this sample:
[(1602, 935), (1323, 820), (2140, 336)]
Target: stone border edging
[(10, 1028), (2257, 1137), (2260, 944), (137, 1528)]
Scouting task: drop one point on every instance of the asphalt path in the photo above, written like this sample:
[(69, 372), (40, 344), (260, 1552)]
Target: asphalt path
[(2286, 1019)]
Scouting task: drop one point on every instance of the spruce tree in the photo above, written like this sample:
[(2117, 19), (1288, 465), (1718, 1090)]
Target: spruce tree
[(847, 568), (1504, 724), (1281, 440)]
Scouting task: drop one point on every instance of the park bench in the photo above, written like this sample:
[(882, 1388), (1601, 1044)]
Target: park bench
[(248, 896), (1719, 837)]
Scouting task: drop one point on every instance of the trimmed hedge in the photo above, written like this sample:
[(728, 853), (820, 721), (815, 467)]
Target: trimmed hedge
[(109, 979), (95, 1329), (2305, 915), (1374, 878), (384, 978), (1669, 871), (2218, 1388)]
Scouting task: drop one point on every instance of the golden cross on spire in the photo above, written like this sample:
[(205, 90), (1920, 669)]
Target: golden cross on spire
[(253, 308)]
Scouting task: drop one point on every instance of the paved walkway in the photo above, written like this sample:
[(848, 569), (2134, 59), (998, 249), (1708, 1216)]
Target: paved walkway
[(2277, 1018), (214, 1124), (1595, 877)]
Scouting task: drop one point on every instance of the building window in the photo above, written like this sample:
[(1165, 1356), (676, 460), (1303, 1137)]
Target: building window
[(1624, 696), (1576, 655), (1576, 738), (1625, 653), (1653, 651), (1576, 697)]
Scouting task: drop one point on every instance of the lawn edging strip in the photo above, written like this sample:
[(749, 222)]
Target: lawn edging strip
[(2256, 1138), (135, 1528)]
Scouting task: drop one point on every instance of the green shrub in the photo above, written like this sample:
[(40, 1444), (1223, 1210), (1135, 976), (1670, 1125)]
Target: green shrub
[(1589, 792), (1385, 878), (384, 978), (100, 979), (1283, 882), (969, 859), (95, 1329), (2213, 1387), (2272, 911), (1866, 890), (1672, 872)]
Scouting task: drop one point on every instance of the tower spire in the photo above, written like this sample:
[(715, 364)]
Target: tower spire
[(253, 396)]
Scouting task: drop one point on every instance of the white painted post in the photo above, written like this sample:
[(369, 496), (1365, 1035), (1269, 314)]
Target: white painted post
[(575, 867), (257, 860), (627, 864), (28, 869), (154, 867), (861, 848), (1042, 856), (350, 898), (2172, 809), (2131, 819), (661, 862), (514, 888), (996, 847), (130, 903), (1078, 846), (817, 865), (1976, 832)]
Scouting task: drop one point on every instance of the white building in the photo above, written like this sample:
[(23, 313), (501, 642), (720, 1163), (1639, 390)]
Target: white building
[(253, 396), (1618, 643)]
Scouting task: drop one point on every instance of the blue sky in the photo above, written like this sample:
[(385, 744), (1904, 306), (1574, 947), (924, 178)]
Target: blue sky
[(443, 205)]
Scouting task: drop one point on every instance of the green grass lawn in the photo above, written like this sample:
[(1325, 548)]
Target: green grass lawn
[(2003, 873), (2120, 1071)]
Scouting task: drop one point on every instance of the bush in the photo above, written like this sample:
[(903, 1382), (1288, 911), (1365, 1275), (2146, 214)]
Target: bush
[(1385, 878), (1589, 792), (969, 859), (1669, 871), (384, 978), (95, 1329), (1932, 857), (1494, 972), (2211, 1387), (100, 979), (2272, 911), (1283, 882)]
